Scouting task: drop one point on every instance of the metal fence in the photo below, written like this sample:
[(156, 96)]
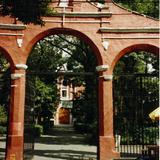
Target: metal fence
[(135, 96), (5, 88), (29, 120)]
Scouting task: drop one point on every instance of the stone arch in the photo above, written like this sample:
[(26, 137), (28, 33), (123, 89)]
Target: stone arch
[(133, 48), (67, 31)]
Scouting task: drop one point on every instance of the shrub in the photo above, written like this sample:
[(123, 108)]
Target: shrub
[(3, 130), (80, 127), (38, 131), (3, 115), (93, 134)]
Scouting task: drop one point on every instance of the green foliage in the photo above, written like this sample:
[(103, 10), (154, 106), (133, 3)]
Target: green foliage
[(38, 131), (31, 11), (3, 120), (4, 93), (3, 130), (93, 133), (46, 56), (147, 7), (3, 115), (5, 82), (46, 99), (140, 62), (27, 11)]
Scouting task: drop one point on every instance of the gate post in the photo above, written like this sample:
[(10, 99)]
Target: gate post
[(14, 148), (106, 137)]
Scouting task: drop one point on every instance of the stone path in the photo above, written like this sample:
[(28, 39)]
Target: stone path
[(62, 143)]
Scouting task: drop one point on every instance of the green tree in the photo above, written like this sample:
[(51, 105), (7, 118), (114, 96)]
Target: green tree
[(45, 100), (140, 62), (27, 11), (4, 92), (147, 7), (44, 63), (31, 11)]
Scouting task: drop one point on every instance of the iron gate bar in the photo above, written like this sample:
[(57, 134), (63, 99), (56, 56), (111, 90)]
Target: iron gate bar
[(5, 85), (59, 73), (132, 97), (29, 121)]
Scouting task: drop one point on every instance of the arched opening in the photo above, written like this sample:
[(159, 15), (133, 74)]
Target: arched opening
[(5, 91), (135, 95), (61, 74)]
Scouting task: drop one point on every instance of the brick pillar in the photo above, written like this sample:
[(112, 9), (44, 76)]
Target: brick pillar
[(16, 117), (106, 138)]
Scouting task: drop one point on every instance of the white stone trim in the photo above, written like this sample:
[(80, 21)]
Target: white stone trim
[(21, 66), (107, 77), (100, 68), (15, 76), (19, 42), (105, 45)]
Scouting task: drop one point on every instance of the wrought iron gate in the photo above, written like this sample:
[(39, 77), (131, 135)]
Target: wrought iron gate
[(29, 119), (135, 96), (5, 88)]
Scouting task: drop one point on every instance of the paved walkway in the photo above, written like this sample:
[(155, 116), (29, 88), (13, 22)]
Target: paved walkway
[(62, 143)]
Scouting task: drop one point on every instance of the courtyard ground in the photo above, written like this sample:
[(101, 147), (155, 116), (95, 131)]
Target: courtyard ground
[(63, 143)]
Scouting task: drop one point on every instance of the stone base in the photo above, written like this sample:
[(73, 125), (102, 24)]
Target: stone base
[(107, 148)]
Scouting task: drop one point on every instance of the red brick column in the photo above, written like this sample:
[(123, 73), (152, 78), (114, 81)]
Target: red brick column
[(106, 138), (16, 117)]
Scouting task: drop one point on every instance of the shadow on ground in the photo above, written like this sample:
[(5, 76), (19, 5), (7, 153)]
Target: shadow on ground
[(53, 140), (64, 154), (2, 153), (64, 143), (2, 147)]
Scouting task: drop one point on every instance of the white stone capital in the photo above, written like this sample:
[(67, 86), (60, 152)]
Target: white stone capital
[(21, 66), (107, 77), (100, 68), (15, 76)]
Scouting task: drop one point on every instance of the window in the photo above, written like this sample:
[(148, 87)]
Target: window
[(64, 93)]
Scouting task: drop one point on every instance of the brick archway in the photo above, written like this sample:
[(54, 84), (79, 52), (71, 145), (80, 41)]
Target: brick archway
[(99, 58), (111, 32), (120, 77), (133, 48), (67, 31)]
